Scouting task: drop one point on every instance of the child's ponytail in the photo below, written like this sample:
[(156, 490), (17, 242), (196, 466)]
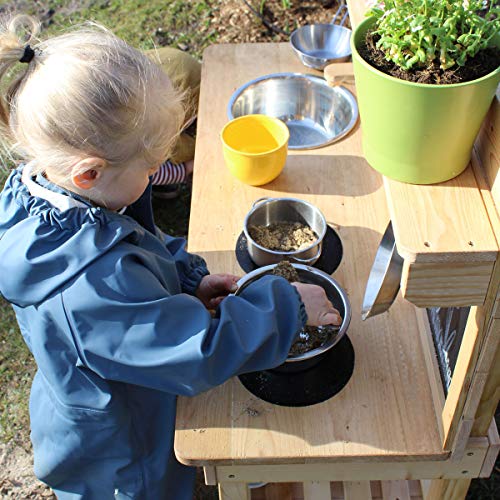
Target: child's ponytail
[(84, 93), (16, 45)]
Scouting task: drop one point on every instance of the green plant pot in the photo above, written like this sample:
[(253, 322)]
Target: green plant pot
[(413, 132)]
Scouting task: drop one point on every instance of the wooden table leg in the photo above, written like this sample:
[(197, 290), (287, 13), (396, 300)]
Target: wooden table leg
[(395, 489), (357, 490), (234, 491), (446, 489), (317, 490)]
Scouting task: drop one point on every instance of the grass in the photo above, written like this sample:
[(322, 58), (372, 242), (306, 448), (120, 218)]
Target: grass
[(16, 371), (143, 23)]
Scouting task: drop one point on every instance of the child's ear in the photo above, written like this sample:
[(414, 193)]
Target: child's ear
[(85, 173)]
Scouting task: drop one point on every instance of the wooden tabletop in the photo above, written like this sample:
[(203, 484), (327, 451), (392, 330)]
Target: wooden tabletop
[(386, 411)]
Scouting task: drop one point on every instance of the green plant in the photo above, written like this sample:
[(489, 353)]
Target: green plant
[(420, 33)]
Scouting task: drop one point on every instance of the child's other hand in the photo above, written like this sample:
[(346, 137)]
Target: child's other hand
[(214, 287), (319, 309)]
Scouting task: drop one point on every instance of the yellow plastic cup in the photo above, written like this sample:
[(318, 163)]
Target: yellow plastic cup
[(255, 148)]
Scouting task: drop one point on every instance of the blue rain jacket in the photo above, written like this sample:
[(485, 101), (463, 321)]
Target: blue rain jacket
[(105, 303)]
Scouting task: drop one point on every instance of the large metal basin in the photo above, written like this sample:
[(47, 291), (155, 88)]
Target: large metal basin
[(315, 113), (335, 293)]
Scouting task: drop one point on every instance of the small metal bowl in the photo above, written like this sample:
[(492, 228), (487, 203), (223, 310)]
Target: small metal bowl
[(335, 293), (385, 277), (316, 113), (318, 45), (265, 211)]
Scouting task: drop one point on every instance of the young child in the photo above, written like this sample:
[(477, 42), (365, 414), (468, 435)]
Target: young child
[(185, 73), (115, 312)]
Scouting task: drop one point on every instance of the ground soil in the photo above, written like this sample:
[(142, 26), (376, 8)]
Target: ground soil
[(483, 63), (243, 20)]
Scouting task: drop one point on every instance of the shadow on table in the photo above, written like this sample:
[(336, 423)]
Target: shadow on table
[(326, 175)]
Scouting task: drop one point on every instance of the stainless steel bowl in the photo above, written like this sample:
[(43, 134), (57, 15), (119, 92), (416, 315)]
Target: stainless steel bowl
[(268, 210), (385, 277), (335, 293), (315, 113), (318, 45)]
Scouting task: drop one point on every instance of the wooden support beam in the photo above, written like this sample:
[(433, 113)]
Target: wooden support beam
[(234, 491), (317, 490), (210, 475), (451, 489), (395, 490), (489, 398), (493, 450), (469, 467), (357, 490)]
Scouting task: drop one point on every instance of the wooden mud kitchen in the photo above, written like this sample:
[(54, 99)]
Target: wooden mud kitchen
[(415, 419)]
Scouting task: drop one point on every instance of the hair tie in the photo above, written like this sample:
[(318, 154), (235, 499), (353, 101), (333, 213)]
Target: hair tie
[(28, 55)]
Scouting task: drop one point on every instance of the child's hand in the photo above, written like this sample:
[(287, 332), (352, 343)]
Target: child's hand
[(319, 309), (214, 287)]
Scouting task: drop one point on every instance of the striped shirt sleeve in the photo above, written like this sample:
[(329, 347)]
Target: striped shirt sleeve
[(169, 173)]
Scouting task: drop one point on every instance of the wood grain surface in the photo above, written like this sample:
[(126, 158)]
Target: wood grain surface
[(386, 411)]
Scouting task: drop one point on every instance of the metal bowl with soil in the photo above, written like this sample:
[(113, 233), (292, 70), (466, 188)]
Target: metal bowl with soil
[(310, 347), (279, 229)]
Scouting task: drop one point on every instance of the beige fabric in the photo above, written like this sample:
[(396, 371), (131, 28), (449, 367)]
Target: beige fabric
[(185, 73)]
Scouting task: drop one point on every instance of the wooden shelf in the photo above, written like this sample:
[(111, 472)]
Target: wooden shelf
[(386, 412), (445, 236)]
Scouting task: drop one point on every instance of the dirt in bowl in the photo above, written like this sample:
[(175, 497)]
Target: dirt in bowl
[(310, 337), (283, 236)]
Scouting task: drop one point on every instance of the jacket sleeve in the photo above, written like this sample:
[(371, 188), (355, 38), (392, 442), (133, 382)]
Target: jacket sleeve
[(133, 331), (191, 267)]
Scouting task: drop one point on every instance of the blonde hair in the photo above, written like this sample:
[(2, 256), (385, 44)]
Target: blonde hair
[(85, 93)]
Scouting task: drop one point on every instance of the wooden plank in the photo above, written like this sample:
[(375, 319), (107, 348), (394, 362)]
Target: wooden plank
[(475, 387), (294, 491), (386, 411), (487, 146), (459, 445), (340, 74), (470, 466), (210, 475), (462, 377), (489, 398), (317, 490), (233, 491), (357, 490), (415, 489), (493, 214), (357, 10), (477, 366), (443, 223), (493, 450), (431, 363), (441, 489), (395, 490), (444, 234), (496, 309), (445, 284)]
